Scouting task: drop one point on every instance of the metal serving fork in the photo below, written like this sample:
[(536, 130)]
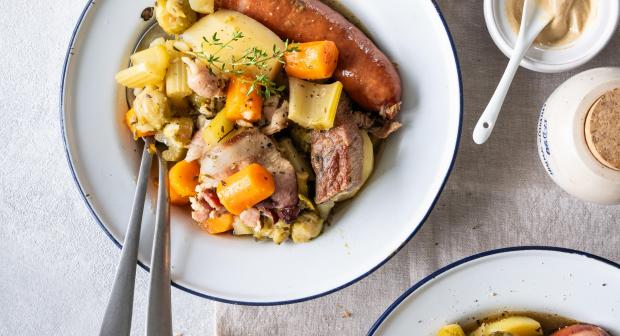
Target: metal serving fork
[(117, 318)]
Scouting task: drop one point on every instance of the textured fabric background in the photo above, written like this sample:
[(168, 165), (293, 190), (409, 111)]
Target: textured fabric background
[(57, 266), (498, 195)]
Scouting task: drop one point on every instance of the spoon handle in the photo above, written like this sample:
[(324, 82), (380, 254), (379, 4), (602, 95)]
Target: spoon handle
[(533, 20), (485, 124), (159, 318), (117, 318)]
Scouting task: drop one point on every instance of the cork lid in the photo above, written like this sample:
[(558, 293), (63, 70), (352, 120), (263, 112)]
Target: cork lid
[(602, 129)]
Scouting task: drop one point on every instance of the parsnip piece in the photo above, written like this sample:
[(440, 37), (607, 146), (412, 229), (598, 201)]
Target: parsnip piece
[(225, 23)]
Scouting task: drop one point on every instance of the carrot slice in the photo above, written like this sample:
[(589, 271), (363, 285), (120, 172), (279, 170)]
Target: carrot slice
[(240, 105), (312, 60), (177, 199), (183, 178), (219, 224), (246, 188)]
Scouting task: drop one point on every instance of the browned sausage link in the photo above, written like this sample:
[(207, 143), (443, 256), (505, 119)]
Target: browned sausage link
[(366, 73), (581, 330)]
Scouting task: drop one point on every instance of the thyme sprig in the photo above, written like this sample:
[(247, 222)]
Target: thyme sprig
[(252, 57)]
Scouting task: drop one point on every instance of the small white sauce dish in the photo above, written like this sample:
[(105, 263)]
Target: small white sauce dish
[(597, 33)]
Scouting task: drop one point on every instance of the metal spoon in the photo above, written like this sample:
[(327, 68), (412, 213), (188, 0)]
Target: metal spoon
[(533, 21)]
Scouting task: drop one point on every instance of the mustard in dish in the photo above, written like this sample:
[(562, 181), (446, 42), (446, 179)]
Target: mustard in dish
[(570, 18)]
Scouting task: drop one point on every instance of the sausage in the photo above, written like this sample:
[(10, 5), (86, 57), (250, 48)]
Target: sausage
[(581, 330), (365, 72)]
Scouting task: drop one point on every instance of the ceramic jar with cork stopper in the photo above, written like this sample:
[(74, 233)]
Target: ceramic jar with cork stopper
[(579, 135)]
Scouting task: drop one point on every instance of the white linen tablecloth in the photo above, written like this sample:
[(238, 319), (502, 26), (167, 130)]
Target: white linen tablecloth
[(57, 265)]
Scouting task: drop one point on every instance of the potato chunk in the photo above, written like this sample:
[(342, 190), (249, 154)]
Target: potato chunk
[(223, 24), (514, 325), (451, 330)]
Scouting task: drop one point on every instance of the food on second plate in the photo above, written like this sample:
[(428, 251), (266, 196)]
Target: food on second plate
[(523, 324), (256, 112), (570, 18)]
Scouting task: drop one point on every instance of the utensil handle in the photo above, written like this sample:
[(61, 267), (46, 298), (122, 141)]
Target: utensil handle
[(117, 318), (487, 120), (159, 318), (533, 20)]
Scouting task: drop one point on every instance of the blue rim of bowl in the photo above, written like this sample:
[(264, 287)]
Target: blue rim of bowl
[(248, 303), (466, 260)]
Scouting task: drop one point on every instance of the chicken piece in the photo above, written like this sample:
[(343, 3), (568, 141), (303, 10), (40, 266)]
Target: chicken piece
[(250, 217), (201, 80), (250, 146), (196, 147), (275, 113)]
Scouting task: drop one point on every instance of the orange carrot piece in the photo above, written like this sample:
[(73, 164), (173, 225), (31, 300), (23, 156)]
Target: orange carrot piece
[(177, 199), (240, 105), (130, 121), (183, 177), (312, 60), (219, 224), (246, 188)]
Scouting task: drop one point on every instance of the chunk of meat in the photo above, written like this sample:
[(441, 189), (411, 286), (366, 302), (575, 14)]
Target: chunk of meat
[(365, 72), (385, 130), (374, 124), (202, 80), (196, 147), (581, 330), (337, 160), (205, 204), (275, 114), (250, 217), (247, 147)]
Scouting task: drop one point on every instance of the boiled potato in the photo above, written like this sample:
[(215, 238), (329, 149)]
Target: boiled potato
[(451, 330), (514, 325), (313, 105), (225, 23), (202, 6), (369, 157)]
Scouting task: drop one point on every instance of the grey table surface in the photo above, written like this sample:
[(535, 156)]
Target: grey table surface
[(58, 266)]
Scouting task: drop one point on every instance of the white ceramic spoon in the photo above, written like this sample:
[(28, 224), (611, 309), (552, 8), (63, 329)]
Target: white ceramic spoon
[(533, 21)]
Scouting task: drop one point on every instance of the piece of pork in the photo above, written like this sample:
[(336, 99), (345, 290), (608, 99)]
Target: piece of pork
[(337, 160), (370, 122), (205, 204), (202, 80), (275, 113), (196, 148), (247, 147)]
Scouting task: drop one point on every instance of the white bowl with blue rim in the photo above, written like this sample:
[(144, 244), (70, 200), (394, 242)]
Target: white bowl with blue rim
[(569, 283), (410, 173)]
